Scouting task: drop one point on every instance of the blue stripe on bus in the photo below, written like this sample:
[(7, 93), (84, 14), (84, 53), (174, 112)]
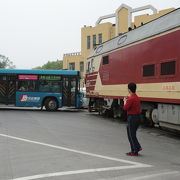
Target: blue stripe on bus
[(78, 100), (36, 71), (35, 99)]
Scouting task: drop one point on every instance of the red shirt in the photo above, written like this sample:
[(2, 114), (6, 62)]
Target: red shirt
[(132, 105)]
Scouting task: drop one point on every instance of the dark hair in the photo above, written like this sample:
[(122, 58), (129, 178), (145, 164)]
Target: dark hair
[(132, 87)]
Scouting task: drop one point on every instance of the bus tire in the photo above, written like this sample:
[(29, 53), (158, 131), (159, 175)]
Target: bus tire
[(51, 104)]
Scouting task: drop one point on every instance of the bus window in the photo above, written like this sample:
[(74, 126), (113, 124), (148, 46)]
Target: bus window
[(55, 86), (27, 85), (49, 86)]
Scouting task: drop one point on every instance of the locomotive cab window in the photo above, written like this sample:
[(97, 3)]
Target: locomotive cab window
[(92, 65), (149, 70), (105, 60), (88, 67), (168, 68)]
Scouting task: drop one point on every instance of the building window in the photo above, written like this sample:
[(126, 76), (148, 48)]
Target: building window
[(94, 41), (71, 66), (148, 70), (88, 42), (81, 66), (168, 68), (100, 38), (105, 60)]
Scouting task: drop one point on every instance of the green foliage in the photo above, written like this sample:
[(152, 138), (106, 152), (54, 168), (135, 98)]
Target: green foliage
[(6, 63), (51, 65)]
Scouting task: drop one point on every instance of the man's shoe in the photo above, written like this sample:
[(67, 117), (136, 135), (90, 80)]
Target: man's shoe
[(131, 154)]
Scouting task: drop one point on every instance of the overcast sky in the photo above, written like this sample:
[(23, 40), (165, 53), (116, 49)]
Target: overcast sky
[(36, 31)]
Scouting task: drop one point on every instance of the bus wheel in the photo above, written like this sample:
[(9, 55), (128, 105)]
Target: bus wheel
[(51, 104)]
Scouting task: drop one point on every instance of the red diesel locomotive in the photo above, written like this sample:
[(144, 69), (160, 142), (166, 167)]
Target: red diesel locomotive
[(149, 56)]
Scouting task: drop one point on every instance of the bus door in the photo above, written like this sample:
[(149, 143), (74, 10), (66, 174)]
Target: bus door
[(8, 89), (69, 91)]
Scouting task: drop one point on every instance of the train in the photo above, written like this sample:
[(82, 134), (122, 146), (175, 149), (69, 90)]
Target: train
[(148, 56)]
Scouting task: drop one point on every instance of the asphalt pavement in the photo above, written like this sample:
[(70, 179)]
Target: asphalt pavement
[(77, 145)]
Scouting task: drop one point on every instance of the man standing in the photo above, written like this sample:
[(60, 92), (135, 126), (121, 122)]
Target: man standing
[(132, 106)]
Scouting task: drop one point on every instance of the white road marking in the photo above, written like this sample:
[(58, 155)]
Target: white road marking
[(76, 151), (132, 166), (76, 172), (154, 175)]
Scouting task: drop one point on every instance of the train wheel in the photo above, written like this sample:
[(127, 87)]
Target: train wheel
[(89, 109), (149, 120), (150, 123), (100, 111)]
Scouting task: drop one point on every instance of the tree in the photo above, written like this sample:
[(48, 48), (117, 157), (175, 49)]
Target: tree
[(6, 63), (51, 65)]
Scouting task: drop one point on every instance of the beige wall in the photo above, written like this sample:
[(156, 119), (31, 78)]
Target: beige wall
[(146, 18), (70, 58), (107, 30), (75, 58), (123, 20)]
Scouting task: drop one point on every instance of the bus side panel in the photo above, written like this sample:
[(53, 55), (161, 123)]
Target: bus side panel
[(34, 99), (79, 97)]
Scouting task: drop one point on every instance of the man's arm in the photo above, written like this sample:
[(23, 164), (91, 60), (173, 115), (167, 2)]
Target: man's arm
[(127, 104)]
